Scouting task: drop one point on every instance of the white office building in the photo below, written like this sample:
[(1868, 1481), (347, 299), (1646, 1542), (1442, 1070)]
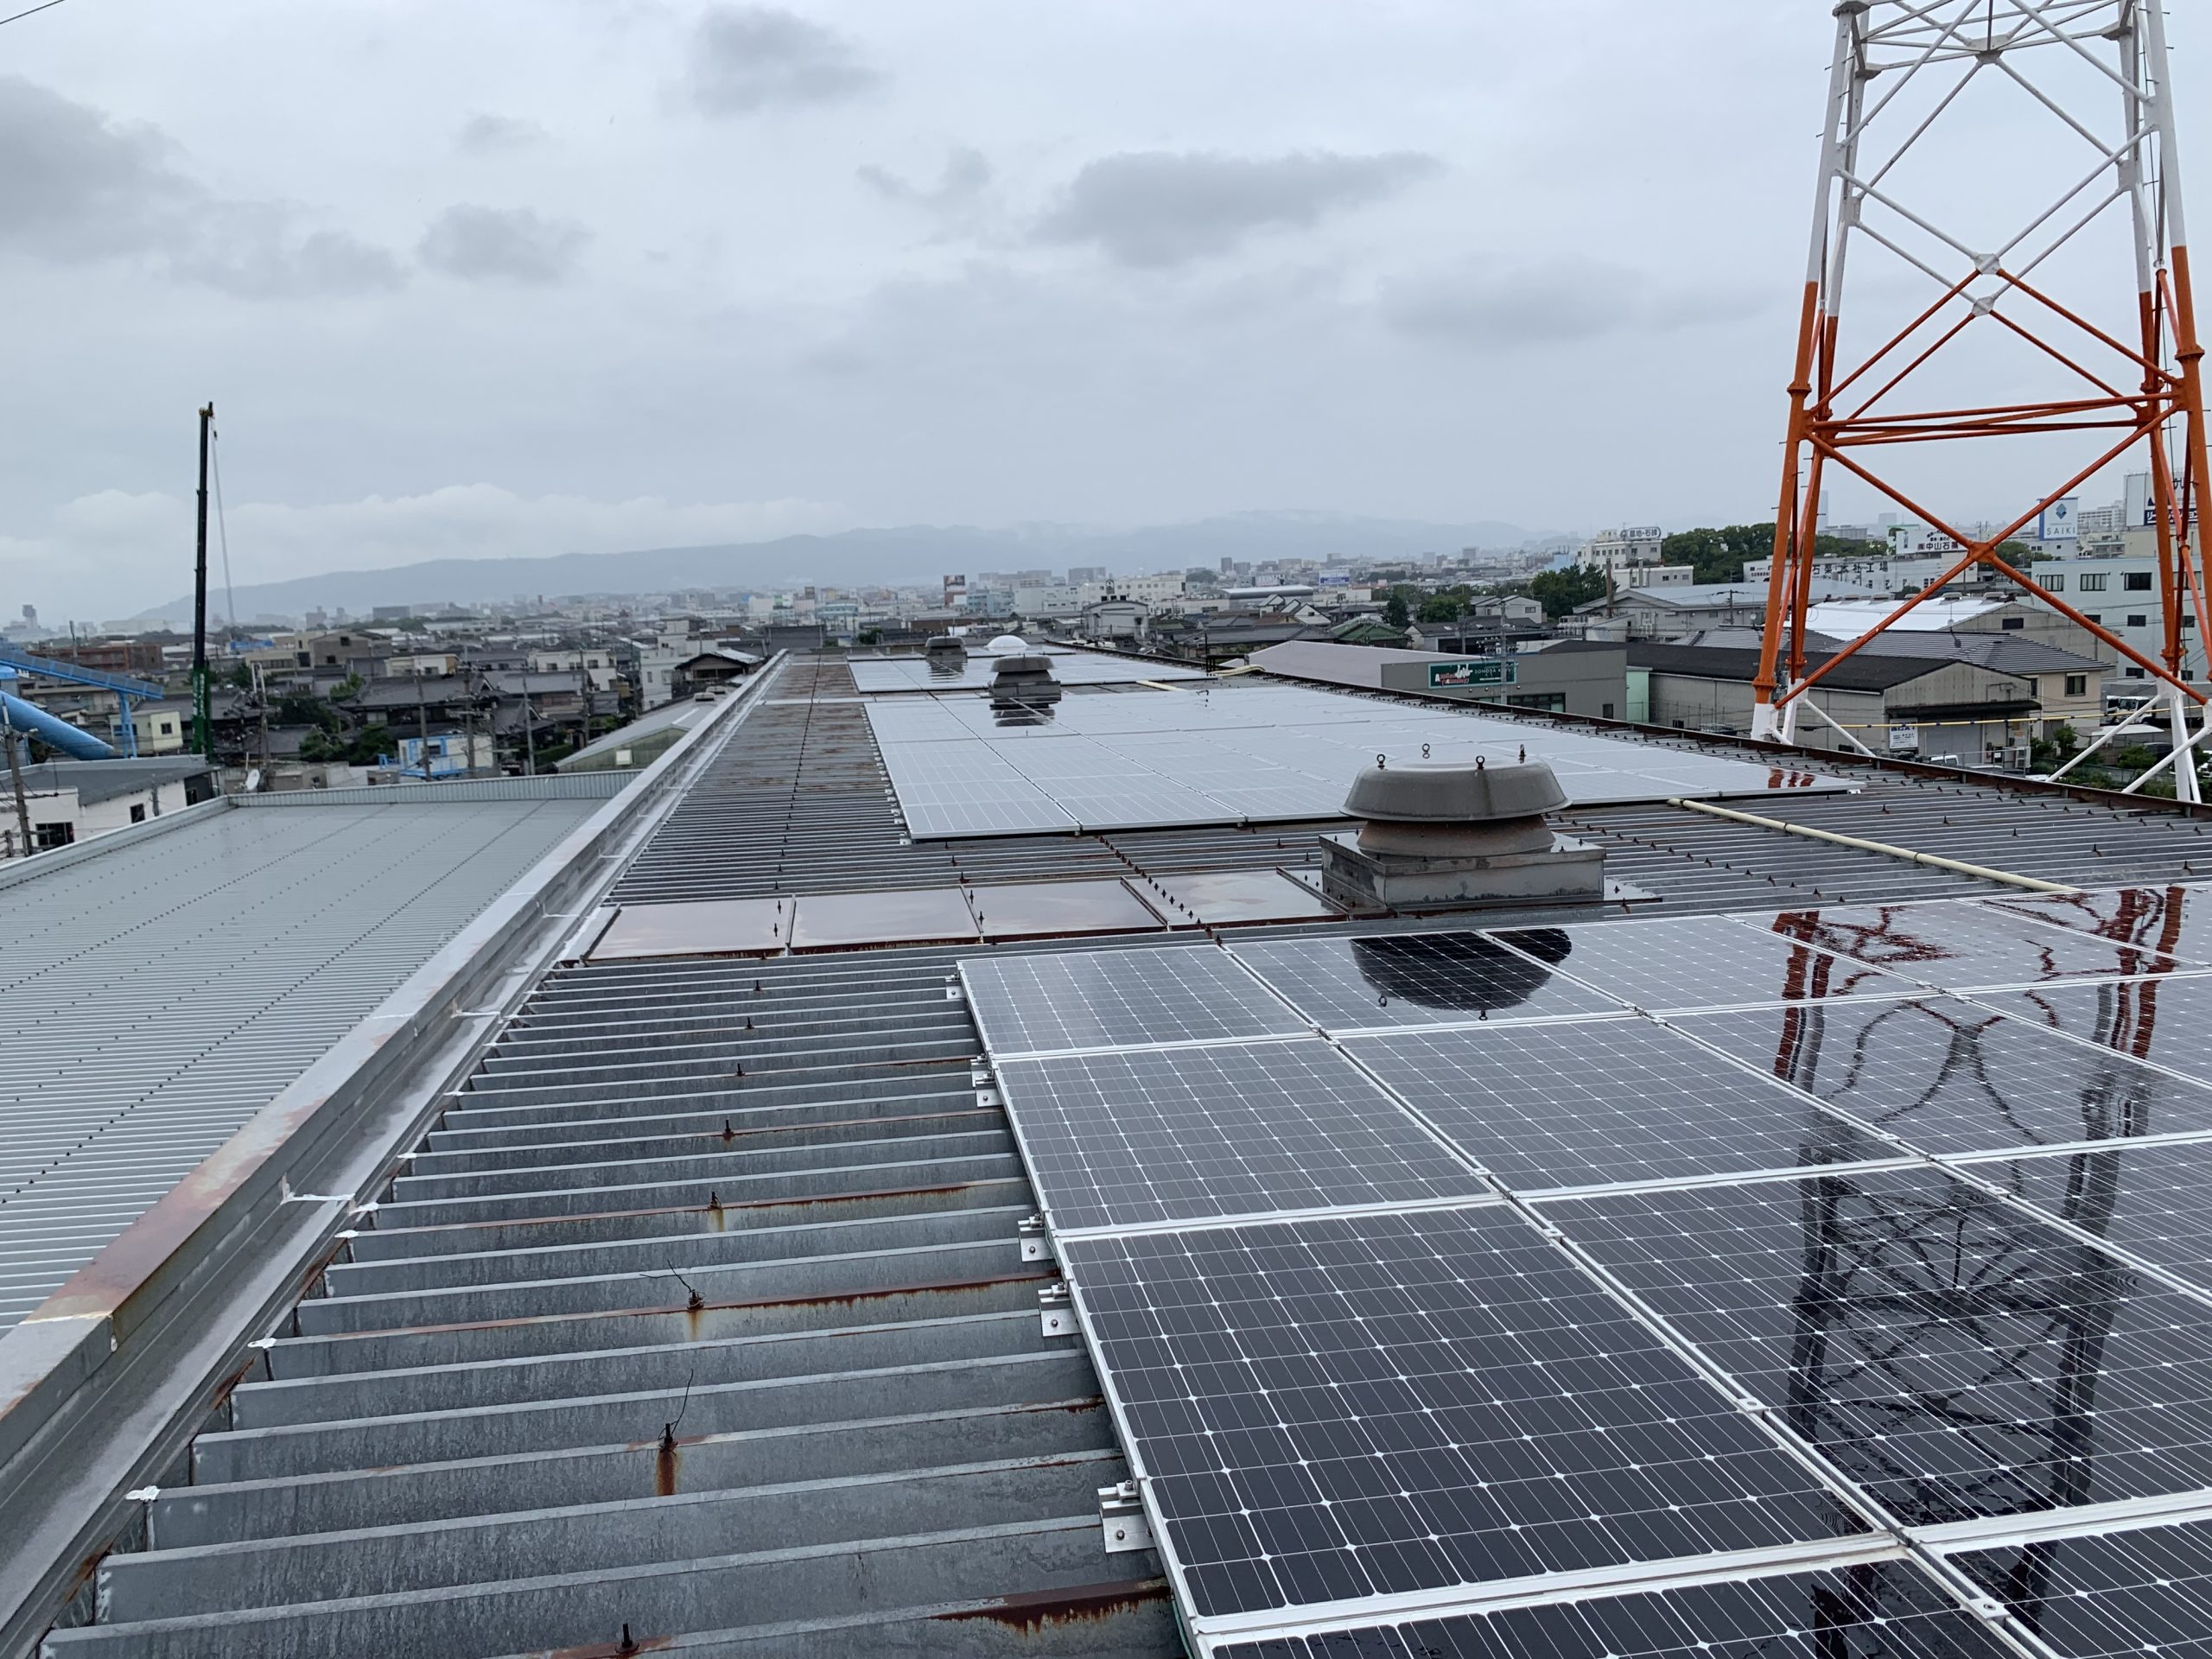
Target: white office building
[(2121, 594)]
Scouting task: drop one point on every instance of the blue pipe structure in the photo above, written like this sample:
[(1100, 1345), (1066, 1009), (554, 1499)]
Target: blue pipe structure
[(72, 740)]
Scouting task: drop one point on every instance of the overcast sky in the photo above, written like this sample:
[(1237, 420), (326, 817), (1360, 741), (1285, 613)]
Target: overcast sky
[(538, 276)]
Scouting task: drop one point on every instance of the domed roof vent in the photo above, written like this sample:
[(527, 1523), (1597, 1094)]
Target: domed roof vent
[(1439, 834)]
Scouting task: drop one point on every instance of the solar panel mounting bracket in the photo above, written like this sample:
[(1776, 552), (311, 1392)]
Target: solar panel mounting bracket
[(1122, 1519), (1056, 1309), (1036, 1243)]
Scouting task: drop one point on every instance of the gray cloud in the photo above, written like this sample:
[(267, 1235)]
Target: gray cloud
[(967, 175), (76, 186), (258, 260), (506, 244), (1157, 208), (486, 134), (1491, 307), (744, 59)]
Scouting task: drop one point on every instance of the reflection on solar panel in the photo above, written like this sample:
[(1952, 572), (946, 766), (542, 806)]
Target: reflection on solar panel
[(1386, 1404), (1949, 1076), (1601, 1102), (1951, 1354), (1962, 946), (1883, 1609), (1708, 1314), (2176, 921), (1023, 910), (1225, 898), (1105, 999), (1224, 755), (1423, 979), (1117, 1140), (2147, 1200), (2161, 1020), (2144, 1591), (1700, 962)]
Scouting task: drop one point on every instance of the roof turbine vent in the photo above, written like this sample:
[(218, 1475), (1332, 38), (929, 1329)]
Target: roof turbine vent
[(1442, 835), (1025, 680)]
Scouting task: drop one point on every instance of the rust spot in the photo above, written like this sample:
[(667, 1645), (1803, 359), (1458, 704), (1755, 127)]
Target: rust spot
[(665, 1463), (1038, 1612), (728, 1133)]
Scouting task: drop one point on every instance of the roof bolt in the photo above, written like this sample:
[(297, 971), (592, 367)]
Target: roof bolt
[(628, 1643)]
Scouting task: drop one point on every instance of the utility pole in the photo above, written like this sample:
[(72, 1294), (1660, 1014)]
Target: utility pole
[(529, 731), (203, 708), (422, 722), (16, 777)]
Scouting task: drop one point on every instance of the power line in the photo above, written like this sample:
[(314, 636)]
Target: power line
[(48, 6)]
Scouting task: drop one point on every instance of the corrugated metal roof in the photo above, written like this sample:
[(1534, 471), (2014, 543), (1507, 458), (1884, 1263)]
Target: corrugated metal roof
[(699, 1321), (158, 995)]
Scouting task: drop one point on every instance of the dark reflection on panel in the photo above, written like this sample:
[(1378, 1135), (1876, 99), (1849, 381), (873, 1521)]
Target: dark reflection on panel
[(2145, 1592), (1884, 1609), (1956, 1356), (1418, 979), (2162, 1019), (1701, 962), (2148, 1200), (1950, 1075), (1958, 946), (2175, 921)]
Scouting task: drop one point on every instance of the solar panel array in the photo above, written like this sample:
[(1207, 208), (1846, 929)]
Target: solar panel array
[(1831, 1282), (974, 671), (1223, 754)]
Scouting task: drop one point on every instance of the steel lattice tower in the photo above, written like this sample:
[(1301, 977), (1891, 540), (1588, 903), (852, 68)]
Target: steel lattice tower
[(1903, 368)]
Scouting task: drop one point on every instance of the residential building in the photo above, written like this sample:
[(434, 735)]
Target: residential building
[(71, 801)]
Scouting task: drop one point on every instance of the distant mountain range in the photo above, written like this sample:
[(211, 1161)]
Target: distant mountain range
[(910, 554)]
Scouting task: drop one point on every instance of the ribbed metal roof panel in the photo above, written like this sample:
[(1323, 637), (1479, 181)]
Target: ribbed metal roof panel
[(159, 994)]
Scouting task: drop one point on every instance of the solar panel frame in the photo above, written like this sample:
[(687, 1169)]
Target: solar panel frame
[(1430, 1518), (1961, 944), (1132, 1138), (1478, 978), (1677, 964), (1938, 1406), (1949, 1076), (1605, 1103), (2144, 1201), (1069, 1001), (2130, 1590), (1883, 1609)]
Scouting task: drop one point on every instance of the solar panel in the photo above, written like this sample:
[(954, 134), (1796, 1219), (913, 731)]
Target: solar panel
[(1950, 1075), (2148, 1200), (827, 921), (1029, 910), (2161, 1021), (1602, 1101), (2174, 920), (1694, 961), (1105, 999), (1963, 946), (1878, 1610), (1952, 1355), (699, 927), (1240, 754), (2147, 1590), (1178, 1134), (1385, 1404), (1222, 898), (1423, 979)]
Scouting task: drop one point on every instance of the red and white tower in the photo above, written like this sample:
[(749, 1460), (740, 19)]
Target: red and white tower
[(1992, 172)]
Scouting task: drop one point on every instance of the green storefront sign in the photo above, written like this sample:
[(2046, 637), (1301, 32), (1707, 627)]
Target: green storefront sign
[(1481, 672)]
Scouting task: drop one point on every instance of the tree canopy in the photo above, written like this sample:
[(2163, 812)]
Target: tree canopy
[(1560, 591), (1718, 554)]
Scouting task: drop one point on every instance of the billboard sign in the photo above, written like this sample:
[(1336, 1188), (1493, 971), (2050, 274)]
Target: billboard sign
[(2059, 522), (1487, 670)]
